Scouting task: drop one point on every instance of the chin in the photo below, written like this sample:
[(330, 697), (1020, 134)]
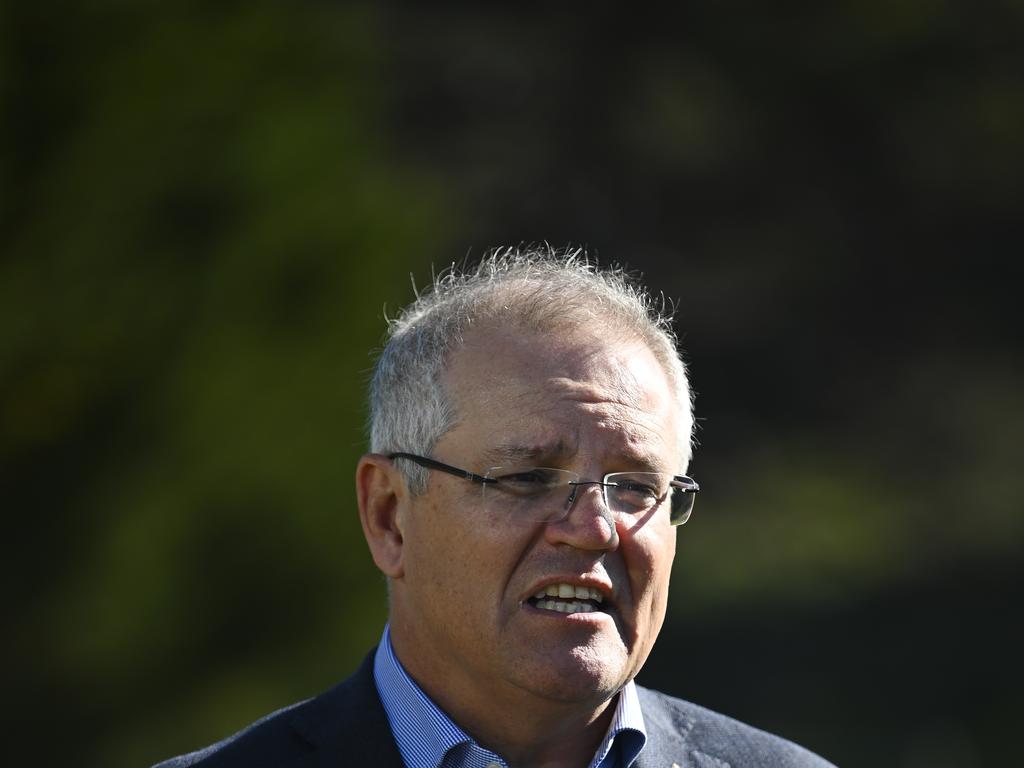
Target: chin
[(587, 674)]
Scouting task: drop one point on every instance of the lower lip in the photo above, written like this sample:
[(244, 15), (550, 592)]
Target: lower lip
[(589, 617)]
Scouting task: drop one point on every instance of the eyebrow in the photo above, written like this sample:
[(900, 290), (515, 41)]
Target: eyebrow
[(649, 462), (560, 449), (559, 452), (635, 461)]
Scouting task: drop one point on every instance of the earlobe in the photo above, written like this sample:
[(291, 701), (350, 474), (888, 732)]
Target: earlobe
[(380, 490)]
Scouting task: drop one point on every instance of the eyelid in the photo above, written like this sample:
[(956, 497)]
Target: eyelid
[(534, 472)]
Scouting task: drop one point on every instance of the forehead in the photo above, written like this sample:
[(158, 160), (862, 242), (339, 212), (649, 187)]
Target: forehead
[(553, 394)]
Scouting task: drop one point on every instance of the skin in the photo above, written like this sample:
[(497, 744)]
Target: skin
[(535, 686)]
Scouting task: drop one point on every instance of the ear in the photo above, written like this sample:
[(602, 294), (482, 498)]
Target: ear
[(381, 490)]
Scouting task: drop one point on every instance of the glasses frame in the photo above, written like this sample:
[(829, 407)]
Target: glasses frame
[(680, 482)]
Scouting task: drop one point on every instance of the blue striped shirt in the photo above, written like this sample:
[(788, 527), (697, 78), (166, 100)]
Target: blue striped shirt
[(428, 738)]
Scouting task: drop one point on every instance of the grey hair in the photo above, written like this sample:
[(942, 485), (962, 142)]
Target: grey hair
[(535, 288)]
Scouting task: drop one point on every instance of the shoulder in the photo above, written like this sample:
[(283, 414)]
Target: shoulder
[(348, 720), (688, 734), (267, 737)]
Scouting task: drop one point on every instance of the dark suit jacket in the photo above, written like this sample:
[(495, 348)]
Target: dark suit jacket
[(347, 726)]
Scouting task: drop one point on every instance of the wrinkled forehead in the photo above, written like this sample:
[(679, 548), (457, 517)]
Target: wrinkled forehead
[(572, 363), (542, 389)]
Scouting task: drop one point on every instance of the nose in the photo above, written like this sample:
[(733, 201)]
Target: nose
[(571, 501), (579, 526)]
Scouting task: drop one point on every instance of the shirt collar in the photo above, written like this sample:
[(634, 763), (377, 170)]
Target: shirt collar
[(425, 735)]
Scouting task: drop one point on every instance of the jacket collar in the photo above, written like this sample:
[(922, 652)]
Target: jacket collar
[(347, 724)]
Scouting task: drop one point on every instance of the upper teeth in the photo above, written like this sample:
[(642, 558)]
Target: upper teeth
[(570, 590)]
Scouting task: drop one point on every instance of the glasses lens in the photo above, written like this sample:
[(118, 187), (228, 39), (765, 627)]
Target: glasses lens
[(533, 493), (544, 494), (684, 493), (638, 493)]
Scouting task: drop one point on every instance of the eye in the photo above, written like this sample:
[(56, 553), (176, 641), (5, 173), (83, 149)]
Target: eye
[(637, 489), (528, 481), (637, 492)]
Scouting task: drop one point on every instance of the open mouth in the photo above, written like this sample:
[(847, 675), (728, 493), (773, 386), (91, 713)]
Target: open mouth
[(569, 598)]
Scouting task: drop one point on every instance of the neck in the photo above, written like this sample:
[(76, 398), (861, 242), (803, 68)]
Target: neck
[(527, 730), (528, 736)]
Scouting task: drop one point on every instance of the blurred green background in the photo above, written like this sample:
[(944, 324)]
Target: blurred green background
[(207, 209)]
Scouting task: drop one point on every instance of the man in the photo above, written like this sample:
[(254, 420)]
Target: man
[(530, 434)]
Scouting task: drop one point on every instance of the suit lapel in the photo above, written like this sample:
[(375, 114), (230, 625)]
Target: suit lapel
[(671, 741), (347, 726)]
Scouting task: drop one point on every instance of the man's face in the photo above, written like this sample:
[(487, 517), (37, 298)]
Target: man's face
[(463, 613)]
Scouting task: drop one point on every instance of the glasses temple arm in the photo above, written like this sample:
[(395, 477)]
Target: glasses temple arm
[(685, 484), (423, 461)]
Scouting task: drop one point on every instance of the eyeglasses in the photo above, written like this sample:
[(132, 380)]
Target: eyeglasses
[(547, 495)]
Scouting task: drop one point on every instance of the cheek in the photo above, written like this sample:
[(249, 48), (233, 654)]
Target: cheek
[(657, 590), (429, 538), (653, 557), (450, 556)]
